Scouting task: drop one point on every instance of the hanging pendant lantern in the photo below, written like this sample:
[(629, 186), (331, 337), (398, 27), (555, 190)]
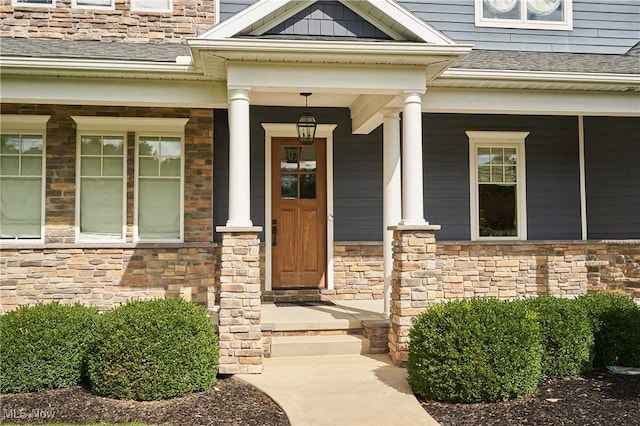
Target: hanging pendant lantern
[(306, 124)]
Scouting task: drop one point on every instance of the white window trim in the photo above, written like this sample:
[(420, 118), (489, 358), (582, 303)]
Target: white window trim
[(16, 4), (138, 10), (75, 5), (480, 139), (34, 124), (566, 25), (108, 127), (164, 127)]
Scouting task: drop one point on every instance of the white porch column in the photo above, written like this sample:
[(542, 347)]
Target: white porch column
[(392, 211), (239, 159), (412, 195)]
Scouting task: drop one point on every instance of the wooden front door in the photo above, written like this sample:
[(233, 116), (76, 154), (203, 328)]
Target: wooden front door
[(299, 213)]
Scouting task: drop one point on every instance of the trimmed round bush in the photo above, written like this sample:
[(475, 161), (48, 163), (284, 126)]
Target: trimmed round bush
[(566, 336), (615, 321), (154, 349), (44, 346), (475, 350)]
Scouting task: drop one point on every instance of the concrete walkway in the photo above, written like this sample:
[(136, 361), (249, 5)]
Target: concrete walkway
[(341, 390)]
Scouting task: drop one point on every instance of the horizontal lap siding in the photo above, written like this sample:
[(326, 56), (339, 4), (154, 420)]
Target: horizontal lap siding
[(612, 156), (607, 27), (551, 150), (553, 199)]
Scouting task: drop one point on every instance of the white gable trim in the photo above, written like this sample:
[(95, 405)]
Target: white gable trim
[(266, 14), (401, 16)]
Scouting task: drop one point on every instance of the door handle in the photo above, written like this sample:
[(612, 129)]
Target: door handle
[(274, 232)]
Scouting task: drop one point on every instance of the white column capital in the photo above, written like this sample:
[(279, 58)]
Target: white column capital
[(413, 96), (391, 113), (238, 93)]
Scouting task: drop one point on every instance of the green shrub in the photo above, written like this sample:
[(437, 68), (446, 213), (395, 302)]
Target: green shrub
[(44, 346), (566, 336), (475, 350), (155, 349), (615, 322)]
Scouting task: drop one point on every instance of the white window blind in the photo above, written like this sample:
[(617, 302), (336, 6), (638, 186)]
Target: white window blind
[(22, 177), (159, 187), (102, 180)]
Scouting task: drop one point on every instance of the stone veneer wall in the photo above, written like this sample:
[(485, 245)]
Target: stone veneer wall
[(471, 269), (108, 274), (188, 19)]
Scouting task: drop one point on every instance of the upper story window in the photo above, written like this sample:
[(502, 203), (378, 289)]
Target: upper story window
[(34, 3), (93, 4), (534, 14), (152, 5), (22, 183), (498, 180)]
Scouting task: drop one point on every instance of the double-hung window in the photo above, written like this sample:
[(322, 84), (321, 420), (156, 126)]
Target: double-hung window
[(22, 177), (534, 14), (101, 180), (159, 187), (498, 185)]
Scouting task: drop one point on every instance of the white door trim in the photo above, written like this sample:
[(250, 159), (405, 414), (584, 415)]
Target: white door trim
[(280, 130)]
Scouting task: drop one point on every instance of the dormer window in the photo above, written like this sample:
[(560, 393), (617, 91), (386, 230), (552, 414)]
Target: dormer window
[(534, 14)]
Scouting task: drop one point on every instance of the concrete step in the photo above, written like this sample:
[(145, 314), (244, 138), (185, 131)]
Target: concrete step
[(340, 344)]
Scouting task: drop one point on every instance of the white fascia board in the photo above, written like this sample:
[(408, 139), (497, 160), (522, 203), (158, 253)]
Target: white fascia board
[(374, 79), (545, 77), (244, 19), (403, 17), (333, 46), (126, 92), (532, 102)]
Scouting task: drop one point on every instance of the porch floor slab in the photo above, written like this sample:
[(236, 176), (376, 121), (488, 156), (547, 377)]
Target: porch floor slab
[(345, 314), (340, 390)]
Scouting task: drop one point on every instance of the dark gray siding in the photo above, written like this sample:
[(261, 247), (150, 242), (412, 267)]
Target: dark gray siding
[(328, 19), (612, 163), (553, 201), (357, 171), (599, 26), (228, 8), (551, 151)]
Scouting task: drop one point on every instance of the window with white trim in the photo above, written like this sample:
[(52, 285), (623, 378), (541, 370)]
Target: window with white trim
[(22, 172), (102, 189), (152, 5), (93, 4), (159, 187), (534, 14), (498, 185), (34, 3)]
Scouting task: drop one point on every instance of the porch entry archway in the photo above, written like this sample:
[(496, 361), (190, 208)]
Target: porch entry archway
[(299, 253)]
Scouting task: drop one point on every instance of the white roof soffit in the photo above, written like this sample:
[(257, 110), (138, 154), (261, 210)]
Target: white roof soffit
[(386, 15)]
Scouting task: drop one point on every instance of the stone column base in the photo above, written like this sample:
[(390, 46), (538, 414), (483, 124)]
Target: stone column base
[(240, 307), (414, 274)]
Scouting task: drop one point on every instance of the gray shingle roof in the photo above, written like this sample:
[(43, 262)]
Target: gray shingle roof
[(557, 62), (42, 48), (477, 59)]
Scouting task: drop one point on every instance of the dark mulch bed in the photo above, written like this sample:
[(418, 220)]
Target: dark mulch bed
[(231, 402), (599, 398)]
